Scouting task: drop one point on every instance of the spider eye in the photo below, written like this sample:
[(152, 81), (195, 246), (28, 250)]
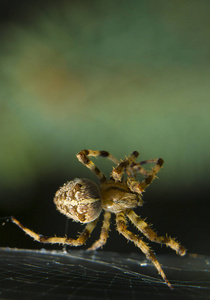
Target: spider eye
[(79, 200)]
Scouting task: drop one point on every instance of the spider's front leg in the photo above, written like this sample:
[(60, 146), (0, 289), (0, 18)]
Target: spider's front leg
[(83, 158), (139, 187), (59, 240), (123, 166)]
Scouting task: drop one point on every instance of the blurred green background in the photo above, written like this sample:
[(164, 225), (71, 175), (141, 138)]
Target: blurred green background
[(105, 75)]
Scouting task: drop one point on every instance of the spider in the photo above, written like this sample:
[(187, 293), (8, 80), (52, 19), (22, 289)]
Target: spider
[(83, 201)]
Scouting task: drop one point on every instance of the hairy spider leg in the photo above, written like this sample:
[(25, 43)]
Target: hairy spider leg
[(104, 233), (82, 156), (152, 236), (137, 167), (123, 166), (84, 235), (122, 228), (139, 187)]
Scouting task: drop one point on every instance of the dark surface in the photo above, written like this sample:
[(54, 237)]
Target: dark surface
[(27, 274)]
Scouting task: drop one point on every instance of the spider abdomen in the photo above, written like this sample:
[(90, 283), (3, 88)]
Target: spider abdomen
[(79, 200)]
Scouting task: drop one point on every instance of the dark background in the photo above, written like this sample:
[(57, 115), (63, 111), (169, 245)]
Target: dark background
[(105, 75)]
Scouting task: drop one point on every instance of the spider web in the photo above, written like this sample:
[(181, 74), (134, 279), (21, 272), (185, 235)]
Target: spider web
[(77, 274)]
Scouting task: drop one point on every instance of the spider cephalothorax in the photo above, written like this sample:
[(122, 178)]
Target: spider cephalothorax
[(83, 201)]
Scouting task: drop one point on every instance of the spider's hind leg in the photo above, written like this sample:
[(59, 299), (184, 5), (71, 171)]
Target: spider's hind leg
[(83, 158), (59, 240)]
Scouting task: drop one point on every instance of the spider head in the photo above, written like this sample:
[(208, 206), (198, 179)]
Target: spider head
[(79, 200)]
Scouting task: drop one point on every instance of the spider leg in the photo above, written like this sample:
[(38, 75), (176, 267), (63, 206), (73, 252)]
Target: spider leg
[(137, 168), (59, 240), (83, 158), (104, 232), (139, 187), (152, 236), (122, 228), (117, 172)]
